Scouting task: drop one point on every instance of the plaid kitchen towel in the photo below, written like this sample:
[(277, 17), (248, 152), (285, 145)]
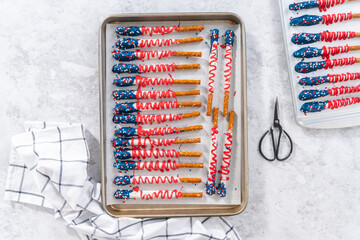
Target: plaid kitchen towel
[(48, 167)]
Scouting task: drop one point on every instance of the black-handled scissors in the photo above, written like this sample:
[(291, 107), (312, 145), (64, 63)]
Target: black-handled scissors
[(276, 145)]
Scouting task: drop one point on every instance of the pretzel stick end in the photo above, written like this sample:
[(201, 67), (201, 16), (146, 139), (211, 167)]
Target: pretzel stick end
[(189, 40), (188, 140), (197, 195), (182, 81), (190, 180), (216, 117), (226, 103), (191, 28), (209, 104), (187, 93), (231, 120), (187, 54), (190, 154), (189, 115), (354, 48), (191, 165), (189, 104), (187, 66)]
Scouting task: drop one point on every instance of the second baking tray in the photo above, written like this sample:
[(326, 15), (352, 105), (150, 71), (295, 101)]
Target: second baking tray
[(143, 209)]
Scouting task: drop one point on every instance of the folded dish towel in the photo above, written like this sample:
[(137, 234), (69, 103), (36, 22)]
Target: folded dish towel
[(48, 167)]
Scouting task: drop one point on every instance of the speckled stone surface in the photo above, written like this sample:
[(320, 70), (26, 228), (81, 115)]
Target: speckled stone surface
[(49, 71)]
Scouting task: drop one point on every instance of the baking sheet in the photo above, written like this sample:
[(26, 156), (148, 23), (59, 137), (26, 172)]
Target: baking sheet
[(233, 194), (341, 117)]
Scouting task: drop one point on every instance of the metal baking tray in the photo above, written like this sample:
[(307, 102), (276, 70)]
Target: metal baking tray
[(171, 210)]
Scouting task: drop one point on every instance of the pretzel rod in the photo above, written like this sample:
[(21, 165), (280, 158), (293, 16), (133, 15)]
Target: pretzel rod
[(147, 141), (307, 67), (138, 153), (309, 20), (143, 81), (323, 5), (330, 104), (324, 52), (211, 176), (225, 165), (312, 94), (131, 179), (128, 56), (139, 94), (151, 118), (155, 165), (139, 131), (229, 41), (306, 38), (129, 43), (330, 78), (133, 68), (138, 31), (131, 107), (149, 195), (213, 59)]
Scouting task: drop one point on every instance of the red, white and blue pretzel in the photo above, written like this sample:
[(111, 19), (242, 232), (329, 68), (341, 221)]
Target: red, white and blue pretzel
[(130, 107), (154, 165), (307, 38), (136, 180), (312, 94), (307, 67), (309, 20), (138, 153), (144, 81), (141, 68), (323, 5), (147, 132), (139, 94), (324, 52), (213, 60), (130, 43), (229, 42), (136, 193), (330, 104), (140, 119), (120, 142), (141, 31), (128, 56)]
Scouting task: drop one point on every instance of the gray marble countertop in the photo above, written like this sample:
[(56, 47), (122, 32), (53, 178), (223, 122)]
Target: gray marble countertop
[(49, 71)]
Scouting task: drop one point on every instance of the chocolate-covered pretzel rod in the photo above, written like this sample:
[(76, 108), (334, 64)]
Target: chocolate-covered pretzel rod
[(128, 56), (307, 38), (323, 5), (324, 52), (213, 59), (144, 81), (312, 94), (211, 176), (147, 141), (330, 78), (330, 104), (309, 20), (154, 165), (149, 195), (307, 67), (139, 94), (152, 118), (139, 131), (129, 43), (138, 31), (138, 153), (135, 180), (132, 68), (131, 107)]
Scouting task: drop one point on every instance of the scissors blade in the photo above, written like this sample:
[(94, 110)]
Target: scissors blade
[(276, 109)]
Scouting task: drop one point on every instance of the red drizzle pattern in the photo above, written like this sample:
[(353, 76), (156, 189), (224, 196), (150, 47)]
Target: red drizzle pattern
[(161, 194), (226, 157), (141, 55), (334, 18), (158, 30), (326, 4), (154, 179), (143, 142), (157, 42), (330, 63), (334, 78), (343, 90), (156, 153), (143, 81), (342, 102), (212, 66), (213, 149), (333, 36), (154, 94), (327, 51), (227, 70), (157, 131), (157, 68), (156, 105), (157, 166), (150, 119)]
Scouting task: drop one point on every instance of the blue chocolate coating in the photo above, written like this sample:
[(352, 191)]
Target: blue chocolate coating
[(126, 132), (210, 187), (311, 81), (305, 38), (124, 118), (229, 37), (306, 67), (312, 94), (123, 180), (128, 107), (122, 194), (124, 56), (306, 20), (308, 52), (129, 31), (121, 142), (118, 154), (304, 5), (124, 94), (124, 81), (222, 189), (125, 165), (214, 37), (313, 106), (125, 68), (127, 43)]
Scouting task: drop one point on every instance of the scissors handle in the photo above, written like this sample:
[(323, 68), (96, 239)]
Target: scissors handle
[(273, 143), (278, 146)]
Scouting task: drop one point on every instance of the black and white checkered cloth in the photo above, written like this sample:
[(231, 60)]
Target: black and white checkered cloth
[(48, 167)]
